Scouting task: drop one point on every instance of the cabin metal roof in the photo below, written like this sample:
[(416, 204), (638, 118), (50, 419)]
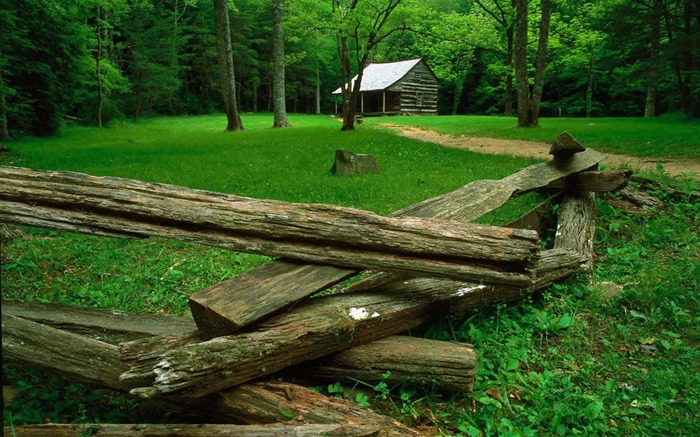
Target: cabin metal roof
[(380, 76)]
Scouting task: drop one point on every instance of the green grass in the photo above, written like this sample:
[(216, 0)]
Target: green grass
[(666, 136), (287, 164), (564, 362)]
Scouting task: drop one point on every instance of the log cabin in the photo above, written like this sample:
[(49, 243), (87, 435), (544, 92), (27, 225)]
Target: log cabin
[(403, 87)]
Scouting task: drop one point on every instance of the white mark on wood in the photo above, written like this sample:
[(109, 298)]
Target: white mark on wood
[(359, 313), (375, 314), (277, 216), (462, 291), (558, 230)]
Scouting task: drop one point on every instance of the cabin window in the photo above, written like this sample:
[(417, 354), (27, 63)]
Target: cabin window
[(419, 98), (417, 76)]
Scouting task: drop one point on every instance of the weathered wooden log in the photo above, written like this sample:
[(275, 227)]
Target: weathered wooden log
[(445, 366), (641, 199), (96, 362), (231, 305), (311, 232), (595, 181), (277, 401), (314, 328), (441, 365), (186, 430), (78, 357), (113, 326), (576, 225), (564, 147), (477, 198), (348, 163)]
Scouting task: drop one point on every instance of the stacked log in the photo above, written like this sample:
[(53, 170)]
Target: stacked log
[(430, 264)]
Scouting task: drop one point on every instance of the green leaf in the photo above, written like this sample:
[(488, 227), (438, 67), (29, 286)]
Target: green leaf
[(593, 410), (564, 321)]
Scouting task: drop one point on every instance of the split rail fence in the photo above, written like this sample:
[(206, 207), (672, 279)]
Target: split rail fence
[(424, 261)]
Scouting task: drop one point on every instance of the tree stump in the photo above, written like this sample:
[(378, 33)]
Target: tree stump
[(348, 163)]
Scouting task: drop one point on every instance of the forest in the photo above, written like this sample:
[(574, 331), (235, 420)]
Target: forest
[(95, 61)]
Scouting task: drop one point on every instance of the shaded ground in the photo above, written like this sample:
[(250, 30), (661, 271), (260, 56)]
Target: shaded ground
[(536, 149)]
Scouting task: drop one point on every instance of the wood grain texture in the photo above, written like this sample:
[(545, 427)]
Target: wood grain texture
[(73, 355), (595, 181), (314, 233), (576, 225), (100, 324), (439, 365), (187, 430)]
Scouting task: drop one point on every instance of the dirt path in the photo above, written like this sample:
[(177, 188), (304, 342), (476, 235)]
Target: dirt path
[(536, 149)]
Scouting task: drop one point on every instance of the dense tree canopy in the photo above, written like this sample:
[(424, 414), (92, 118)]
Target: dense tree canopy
[(92, 61)]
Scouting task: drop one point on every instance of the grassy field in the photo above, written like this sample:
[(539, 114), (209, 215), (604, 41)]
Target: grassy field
[(663, 136), (570, 360)]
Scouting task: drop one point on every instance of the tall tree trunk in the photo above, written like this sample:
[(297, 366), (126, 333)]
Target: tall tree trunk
[(541, 62), (98, 72), (521, 79), (459, 88), (508, 111), (318, 87), (589, 87), (278, 91), (683, 89), (529, 104), (347, 91), (227, 78), (4, 131), (653, 66)]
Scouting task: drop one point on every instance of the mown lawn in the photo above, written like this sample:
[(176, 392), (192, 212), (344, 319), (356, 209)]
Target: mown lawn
[(566, 361)]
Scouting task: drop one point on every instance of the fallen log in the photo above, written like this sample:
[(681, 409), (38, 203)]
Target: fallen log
[(95, 362), (440, 365), (443, 365), (186, 430), (78, 357), (231, 305), (314, 233), (595, 181), (315, 328), (278, 401), (109, 326)]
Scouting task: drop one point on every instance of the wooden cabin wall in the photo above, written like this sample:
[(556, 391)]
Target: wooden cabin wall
[(419, 91)]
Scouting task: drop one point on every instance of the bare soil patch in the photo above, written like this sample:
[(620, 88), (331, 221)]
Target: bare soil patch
[(535, 149)]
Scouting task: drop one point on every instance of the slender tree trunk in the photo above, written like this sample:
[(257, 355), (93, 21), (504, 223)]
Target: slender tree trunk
[(521, 79), (318, 87), (653, 67), (4, 131), (529, 104), (589, 88), (278, 91), (98, 59), (509, 78), (660, 8), (541, 62), (459, 88), (227, 77), (349, 97)]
